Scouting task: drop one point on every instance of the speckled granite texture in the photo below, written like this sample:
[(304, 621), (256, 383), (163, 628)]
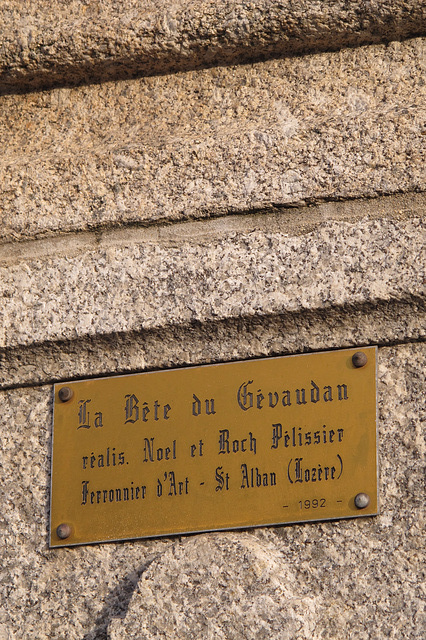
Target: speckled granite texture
[(210, 342), (349, 579), (228, 587), (209, 277), (206, 143), (43, 43), (335, 275)]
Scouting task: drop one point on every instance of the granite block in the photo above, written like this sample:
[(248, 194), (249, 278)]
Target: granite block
[(384, 323), (207, 143), (132, 282), (35, 277), (45, 43)]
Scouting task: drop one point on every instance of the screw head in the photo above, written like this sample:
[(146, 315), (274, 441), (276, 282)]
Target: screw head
[(359, 359), (63, 531), (362, 500), (65, 394)]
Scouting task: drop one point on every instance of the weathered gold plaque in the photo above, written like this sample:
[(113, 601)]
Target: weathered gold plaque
[(243, 444)]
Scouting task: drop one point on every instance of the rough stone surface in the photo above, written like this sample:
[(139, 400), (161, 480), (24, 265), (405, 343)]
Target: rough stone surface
[(383, 323), (206, 143), (377, 321), (357, 579), (209, 278), (43, 42), (225, 587)]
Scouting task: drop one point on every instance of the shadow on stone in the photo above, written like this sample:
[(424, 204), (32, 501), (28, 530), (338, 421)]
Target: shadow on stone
[(116, 604)]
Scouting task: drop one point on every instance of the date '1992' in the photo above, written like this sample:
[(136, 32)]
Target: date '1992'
[(312, 504)]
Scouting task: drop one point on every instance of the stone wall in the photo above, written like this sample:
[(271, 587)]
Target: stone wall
[(178, 187)]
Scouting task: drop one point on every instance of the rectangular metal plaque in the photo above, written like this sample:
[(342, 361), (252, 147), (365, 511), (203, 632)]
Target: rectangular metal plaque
[(243, 444)]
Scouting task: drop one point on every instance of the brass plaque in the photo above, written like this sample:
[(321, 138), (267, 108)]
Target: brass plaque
[(260, 442)]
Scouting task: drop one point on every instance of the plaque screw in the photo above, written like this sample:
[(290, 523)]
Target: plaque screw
[(359, 359), (362, 500), (63, 531), (65, 394)]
